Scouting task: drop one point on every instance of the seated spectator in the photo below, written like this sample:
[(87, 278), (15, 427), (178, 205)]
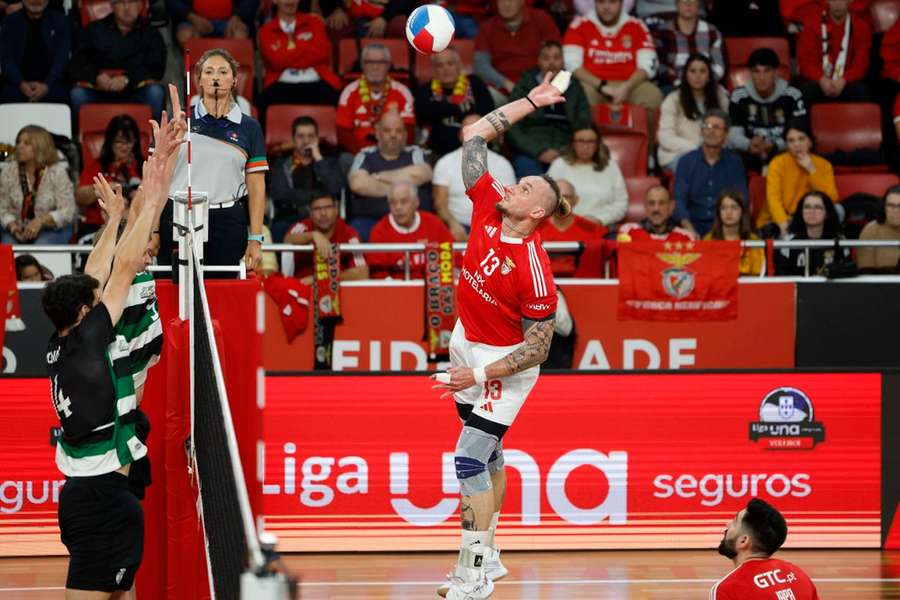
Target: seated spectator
[(376, 168), (681, 35), (34, 52), (29, 269), (405, 224), (613, 57), (364, 101), (886, 227), (658, 224), (598, 181), (294, 179), (890, 57), (296, 55), (451, 203), (815, 219), (681, 112), (507, 44), (889, 90), (733, 223), (703, 173), (467, 14), (538, 139), (571, 228), (651, 8), (761, 109), (442, 103), (791, 175), (837, 73), (323, 228), (120, 163), (207, 18), (120, 58), (37, 205)]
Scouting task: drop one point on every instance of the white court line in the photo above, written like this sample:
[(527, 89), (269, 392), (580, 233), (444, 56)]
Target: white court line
[(515, 582)]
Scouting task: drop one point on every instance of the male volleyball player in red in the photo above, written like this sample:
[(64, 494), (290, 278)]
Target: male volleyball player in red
[(750, 540), (507, 304)]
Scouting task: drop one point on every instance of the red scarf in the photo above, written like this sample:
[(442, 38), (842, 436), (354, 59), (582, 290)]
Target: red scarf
[(28, 193)]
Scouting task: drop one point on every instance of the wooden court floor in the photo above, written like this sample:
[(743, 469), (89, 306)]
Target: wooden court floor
[(670, 575)]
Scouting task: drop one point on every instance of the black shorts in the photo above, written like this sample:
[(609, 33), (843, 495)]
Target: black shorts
[(101, 523)]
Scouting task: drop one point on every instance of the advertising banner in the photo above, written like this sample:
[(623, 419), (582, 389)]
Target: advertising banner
[(594, 461)]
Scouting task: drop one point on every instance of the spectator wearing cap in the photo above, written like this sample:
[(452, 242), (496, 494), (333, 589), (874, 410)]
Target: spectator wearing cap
[(34, 52), (679, 36), (833, 55), (761, 109), (704, 173)]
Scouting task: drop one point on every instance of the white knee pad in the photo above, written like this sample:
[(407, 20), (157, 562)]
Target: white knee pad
[(473, 453)]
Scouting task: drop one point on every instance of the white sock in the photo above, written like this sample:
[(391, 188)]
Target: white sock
[(471, 554), (493, 528)]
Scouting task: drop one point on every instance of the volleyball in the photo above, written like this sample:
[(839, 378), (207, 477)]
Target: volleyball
[(430, 29)]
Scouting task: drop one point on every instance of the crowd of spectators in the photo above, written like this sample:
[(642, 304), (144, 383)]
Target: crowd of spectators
[(659, 69)]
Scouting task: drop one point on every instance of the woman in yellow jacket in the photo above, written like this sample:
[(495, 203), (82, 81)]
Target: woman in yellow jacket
[(791, 174), (733, 223)]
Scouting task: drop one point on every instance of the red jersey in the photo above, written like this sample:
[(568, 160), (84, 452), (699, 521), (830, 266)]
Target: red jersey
[(343, 234), (890, 52), (124, 173), (215, 10), (426, 227), (581, 230), (809, 47), (637, 232), (305, 47), (610, 53), (765, 579), (514, 52), (503, 279), (357, 112)]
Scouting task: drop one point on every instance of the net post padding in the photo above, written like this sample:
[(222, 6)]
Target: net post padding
[(186, 576)]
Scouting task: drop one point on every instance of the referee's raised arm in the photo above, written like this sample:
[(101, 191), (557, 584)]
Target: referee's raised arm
[(477, 135)]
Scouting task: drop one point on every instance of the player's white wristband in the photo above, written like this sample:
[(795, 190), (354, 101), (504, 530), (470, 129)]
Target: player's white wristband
[(479, 374)]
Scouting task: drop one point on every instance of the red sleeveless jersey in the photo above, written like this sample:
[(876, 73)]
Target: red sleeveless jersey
[(765, 579)]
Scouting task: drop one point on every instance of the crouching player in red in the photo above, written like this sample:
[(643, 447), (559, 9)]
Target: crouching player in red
[(507, 304)]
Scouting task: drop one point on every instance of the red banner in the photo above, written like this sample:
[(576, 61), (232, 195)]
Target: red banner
[(765, 329), (678, 281), (595, 461)]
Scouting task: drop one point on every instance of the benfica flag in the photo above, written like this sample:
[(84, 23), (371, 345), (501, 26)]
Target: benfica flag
[(678, 281)]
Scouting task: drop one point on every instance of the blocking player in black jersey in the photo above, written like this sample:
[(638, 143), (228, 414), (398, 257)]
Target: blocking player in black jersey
[(100, 519)]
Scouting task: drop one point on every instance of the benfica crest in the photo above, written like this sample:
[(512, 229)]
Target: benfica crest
[(678, 281)]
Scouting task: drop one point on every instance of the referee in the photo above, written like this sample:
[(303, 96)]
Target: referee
[(229, 164), (101, 521)]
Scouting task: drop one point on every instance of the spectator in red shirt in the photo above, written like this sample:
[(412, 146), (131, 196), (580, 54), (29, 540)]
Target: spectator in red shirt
[(212, 18), (364, 101), (750, 540), (296, 55), (833, 55), (507, 44), (658, 224), (571, 228), (614, 58), (322, 229), (405, 224)]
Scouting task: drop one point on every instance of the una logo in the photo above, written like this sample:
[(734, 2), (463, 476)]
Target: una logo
[(786, 421)]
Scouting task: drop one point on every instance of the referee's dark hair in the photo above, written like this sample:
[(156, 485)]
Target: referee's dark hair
[(64, 296), (765, 525)]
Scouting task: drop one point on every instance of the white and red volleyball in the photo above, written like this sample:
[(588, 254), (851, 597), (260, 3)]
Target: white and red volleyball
[(430, 29)]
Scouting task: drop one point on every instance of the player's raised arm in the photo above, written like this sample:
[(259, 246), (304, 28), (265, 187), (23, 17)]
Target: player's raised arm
[(477, 135)]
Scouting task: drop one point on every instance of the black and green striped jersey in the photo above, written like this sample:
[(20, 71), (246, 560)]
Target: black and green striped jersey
[(141, 327)]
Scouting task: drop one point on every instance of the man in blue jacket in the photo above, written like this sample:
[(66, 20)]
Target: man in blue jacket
[(34, 52)]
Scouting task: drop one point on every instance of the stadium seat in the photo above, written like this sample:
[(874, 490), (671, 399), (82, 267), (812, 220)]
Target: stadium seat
[(241, 50), (629, 149), (737, 53), (94, 10), (279, 118), (846, 126), (348, 55), (867, 183), (55, 118), (637, 190), (635, 119), (466, 49), (92, 122), (884, 14), (757, 187)]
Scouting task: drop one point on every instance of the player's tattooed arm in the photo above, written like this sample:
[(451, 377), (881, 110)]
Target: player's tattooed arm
[(533, 351), (474, 160)]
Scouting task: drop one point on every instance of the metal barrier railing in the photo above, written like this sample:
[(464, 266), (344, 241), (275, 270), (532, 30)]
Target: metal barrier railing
[(552, 247)]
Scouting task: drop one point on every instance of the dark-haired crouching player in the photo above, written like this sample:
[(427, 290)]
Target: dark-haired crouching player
[(507, 308), (92, 387), (750, 540)]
